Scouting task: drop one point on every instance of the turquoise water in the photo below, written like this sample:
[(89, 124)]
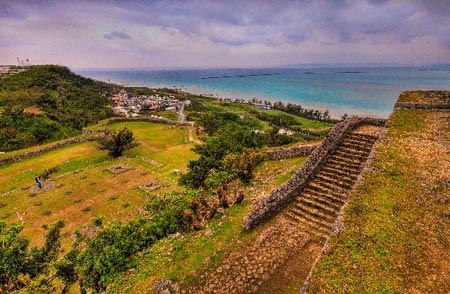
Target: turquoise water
[(356, 91)]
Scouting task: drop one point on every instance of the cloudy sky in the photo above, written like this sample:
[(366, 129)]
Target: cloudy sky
[(207, 33)]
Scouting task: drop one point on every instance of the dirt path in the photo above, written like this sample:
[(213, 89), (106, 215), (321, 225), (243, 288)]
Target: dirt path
[(247, 268), (192, 135)]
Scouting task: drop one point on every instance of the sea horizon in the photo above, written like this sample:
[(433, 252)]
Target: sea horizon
[(363, 90)]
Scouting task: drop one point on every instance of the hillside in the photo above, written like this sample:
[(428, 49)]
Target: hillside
[(95, 216), (397, 226), (47, 103)]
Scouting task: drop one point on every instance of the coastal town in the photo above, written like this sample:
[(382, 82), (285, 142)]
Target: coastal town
[(132, 106)]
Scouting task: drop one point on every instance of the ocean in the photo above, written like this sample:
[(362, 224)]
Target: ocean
[(364, 91)]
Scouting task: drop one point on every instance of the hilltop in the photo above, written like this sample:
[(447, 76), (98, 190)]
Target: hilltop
[(49, 102)]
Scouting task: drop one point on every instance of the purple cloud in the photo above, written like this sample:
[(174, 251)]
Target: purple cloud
[(209, 32), (116, 35)]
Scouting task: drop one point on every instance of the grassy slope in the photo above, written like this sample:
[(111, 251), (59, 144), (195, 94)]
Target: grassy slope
[(93, 187), (188, 257), (396, 237)]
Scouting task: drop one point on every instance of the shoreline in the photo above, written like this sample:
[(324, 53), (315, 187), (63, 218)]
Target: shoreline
[(335, 112)]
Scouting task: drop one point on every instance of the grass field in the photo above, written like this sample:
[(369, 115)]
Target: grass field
[(250, 109), (83, 188), (396, 237)]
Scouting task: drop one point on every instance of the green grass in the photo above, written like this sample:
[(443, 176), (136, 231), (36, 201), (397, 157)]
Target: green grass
[(168, 114), (297, 162), (93, 191), (25, 150), (304, 122), (152, 135), (386, 247)]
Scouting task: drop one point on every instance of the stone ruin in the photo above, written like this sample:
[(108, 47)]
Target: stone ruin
[(151, 186), (120, 168), (153, 162)]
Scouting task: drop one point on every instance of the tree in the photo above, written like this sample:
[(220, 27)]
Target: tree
[(16, 260), (117, 142)]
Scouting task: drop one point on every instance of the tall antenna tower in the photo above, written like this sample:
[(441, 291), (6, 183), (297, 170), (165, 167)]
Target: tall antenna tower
[(18, 61)]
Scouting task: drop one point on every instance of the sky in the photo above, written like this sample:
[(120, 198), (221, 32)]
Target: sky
[(208, 33)]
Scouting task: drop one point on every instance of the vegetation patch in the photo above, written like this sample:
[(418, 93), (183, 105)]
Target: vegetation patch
[(48, 103)]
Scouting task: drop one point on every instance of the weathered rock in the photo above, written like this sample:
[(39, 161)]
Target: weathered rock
[(166, 286)]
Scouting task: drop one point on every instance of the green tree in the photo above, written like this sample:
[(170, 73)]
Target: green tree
[(232, 138), (243, 164), (16, 259), (117, 142)]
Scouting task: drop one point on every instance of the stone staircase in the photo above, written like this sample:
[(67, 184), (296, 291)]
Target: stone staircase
[(315, 209)]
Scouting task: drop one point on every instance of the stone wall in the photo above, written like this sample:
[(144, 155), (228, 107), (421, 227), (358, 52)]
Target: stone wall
[(290, 152), (412, 105), (284, 194), (29, 154)]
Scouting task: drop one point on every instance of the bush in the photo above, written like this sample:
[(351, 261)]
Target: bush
[(113, 250)]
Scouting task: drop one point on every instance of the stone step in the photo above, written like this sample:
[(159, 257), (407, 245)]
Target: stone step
[(334, 203), (354, 143), (323, 190), (337, 180), (365, 136), (358, 138), (349, 156), (345, 160), (331, 186), (352, 151), (324, 216), (317, 205), (309, 227), (353, 146), (300, 215), (353, 171), (330, 172), (336, 199), (365, 139)]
